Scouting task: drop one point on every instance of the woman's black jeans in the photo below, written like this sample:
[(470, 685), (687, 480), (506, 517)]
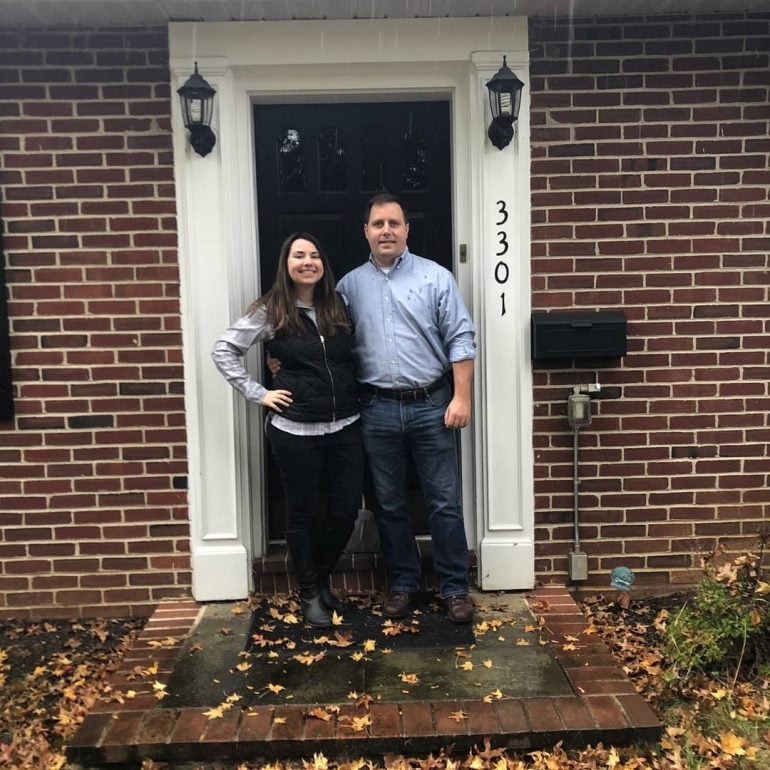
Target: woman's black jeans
[(334, 462)]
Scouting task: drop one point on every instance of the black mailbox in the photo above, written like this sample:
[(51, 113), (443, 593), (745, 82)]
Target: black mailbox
[(569, 334)]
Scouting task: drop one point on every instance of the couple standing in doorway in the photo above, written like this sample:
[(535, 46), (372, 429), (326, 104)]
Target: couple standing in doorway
[(382, 365)]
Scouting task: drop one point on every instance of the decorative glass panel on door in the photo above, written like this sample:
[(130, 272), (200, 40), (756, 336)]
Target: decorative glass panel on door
[(415, 149), (332, 161), (374, 172), (292, 173)]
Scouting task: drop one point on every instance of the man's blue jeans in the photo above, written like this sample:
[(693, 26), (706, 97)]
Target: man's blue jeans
[(391, 430)]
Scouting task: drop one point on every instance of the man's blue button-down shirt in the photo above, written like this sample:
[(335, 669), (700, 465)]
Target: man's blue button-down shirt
[(410, 323)]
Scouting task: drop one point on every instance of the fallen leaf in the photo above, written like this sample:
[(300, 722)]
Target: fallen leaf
[(360, 724), (732, 744), (308, 658), (458, 716)]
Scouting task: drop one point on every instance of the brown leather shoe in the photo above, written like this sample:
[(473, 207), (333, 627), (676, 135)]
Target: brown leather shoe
[(459, 609), (396, 604)]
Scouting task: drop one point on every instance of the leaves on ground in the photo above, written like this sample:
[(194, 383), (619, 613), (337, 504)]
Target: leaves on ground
[(51, 673), (45, 691)]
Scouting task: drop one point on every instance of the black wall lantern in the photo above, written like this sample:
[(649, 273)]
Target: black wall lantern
[(197, 98), (504, 101)]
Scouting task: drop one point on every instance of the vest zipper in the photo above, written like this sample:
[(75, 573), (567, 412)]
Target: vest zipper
[(331, 379)]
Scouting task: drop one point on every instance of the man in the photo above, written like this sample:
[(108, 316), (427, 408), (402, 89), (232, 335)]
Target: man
[(414, 350)]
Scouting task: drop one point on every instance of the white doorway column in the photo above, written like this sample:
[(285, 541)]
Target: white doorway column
[(354, 60), (502, 304)]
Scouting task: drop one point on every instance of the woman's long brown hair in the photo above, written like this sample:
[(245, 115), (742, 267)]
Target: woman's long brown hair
[(279, 301)]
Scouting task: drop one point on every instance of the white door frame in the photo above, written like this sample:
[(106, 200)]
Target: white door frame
[(379, 59)]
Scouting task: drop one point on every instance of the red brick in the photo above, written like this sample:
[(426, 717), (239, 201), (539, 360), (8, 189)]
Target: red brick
[(291, 727), (255, 723), (445, 725), (318, 728), (511, 716), (386, 720), (345, 729), (606, 687), (637, 711), (481, 717), (224, 729), (91, 730), (542, 714), (190, 726), (157, 726), (417, 718), (123, 729), (607, 712), (574, 714)]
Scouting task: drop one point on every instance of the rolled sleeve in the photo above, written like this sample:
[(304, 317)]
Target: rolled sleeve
[(462, 348), (230, 348)]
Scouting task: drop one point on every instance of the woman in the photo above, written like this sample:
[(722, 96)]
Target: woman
[(313, 423)]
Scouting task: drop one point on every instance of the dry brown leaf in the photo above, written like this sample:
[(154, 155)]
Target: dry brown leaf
[(732, 744)]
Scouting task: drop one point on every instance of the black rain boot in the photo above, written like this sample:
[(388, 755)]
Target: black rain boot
[(302, 552), (335, 538)]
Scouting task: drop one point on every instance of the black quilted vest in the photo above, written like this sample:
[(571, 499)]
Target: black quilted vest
[(318, 372)]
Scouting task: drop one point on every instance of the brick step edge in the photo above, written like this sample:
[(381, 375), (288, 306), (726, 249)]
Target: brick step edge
[(187, 735)]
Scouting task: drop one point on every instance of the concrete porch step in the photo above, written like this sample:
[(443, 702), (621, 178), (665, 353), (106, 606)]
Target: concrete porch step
[(580, 697)]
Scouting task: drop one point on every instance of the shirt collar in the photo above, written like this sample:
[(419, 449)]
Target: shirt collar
[(403, 258)]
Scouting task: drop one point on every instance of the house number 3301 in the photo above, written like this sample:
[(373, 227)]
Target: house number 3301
[(502, 272)]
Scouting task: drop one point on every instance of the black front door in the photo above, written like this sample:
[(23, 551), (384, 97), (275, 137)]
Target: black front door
[(318, 164)]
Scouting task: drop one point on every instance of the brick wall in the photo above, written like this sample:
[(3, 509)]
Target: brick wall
[(92, 468), (651, 194)]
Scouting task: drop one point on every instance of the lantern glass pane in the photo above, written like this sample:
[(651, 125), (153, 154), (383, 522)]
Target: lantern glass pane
[(506, 104), (185, 110), (196, 111), (517, 102), (493, 105), (208, 111)]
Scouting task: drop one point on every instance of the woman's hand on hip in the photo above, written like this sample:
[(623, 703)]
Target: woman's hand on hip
[(277, 400)]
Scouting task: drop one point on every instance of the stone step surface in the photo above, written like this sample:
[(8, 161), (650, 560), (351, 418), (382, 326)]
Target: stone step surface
[(566, 687)]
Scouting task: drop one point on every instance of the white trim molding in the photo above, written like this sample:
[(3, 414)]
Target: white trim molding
[(364, 60)]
